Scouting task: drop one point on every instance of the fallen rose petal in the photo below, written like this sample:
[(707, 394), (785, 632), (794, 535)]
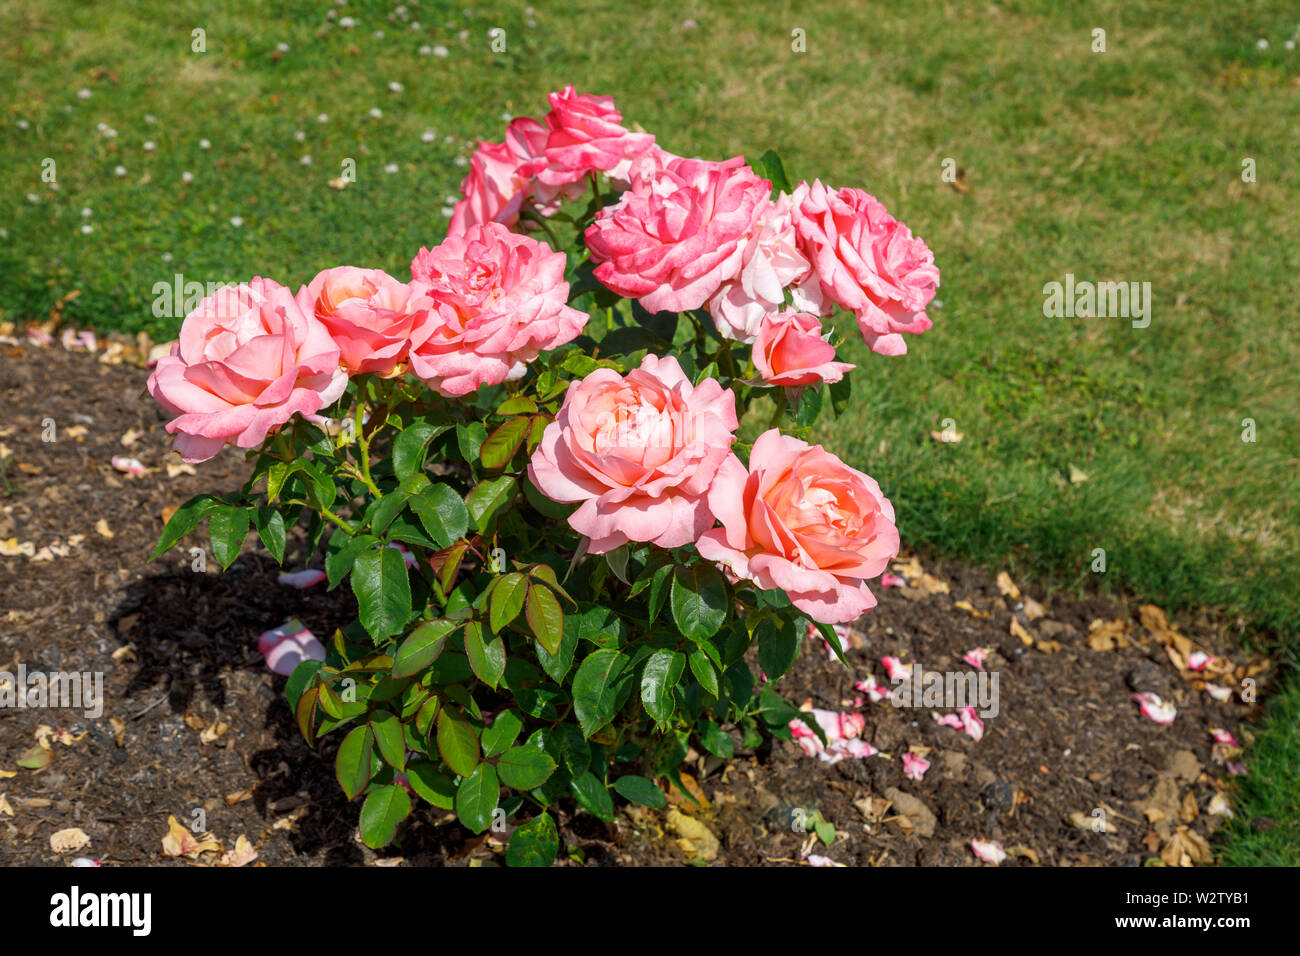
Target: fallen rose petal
[(876, 692), (815, 860), (990, 851), (914, 767), (40, 339), (1153, 708), (949, 720), (896, 669), (287, 646), (132, 466), (971, 723), (1197, 660), (888, 580), (1218, 692), (85, 861), (975, 656), (1236, 767), (302, 579), (1223, 737)]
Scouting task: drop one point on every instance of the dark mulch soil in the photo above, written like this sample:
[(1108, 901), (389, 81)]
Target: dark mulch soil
[(1068, 738)]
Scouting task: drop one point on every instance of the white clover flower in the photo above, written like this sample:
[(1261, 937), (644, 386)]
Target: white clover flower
[(148, 146), (322, 117), (440, 50), (428, 136), (236, 221), (166, 257), (150, 118), (305, 160), (119, 171), (390, 168), (299, 135), (83, 94), (86, 212), (282, 47), (395, 86), (376, 112), (425, 50), (379, 34), (461, 161), (205, 144), (1261, 44), (187, 177), (447, 211), (347, 23), (87, 228), (33, 198), (23, 124)]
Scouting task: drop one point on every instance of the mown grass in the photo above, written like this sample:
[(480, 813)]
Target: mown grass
[(1120, 166)]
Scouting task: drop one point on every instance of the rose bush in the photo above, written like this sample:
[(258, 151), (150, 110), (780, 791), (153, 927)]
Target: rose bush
[(564, 470)]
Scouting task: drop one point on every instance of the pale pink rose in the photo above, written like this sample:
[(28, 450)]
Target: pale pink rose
[(771, 263), (790, 351), (866, 261), (499, 299), (248, 360), (672, 243), (584, 134), (368, 313), (801, 520), (639, 452)]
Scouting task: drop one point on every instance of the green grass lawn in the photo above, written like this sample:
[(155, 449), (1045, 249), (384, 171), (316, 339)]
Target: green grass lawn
[(1117, 166)]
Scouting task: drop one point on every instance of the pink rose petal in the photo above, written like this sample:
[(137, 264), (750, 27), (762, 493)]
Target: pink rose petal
[(888, 580), (302, 579), (287, 646), (1197, 660), (990, 851), (1153, 708), (1223, 737), (975, 657), (896, 669), (1219, 692), (914, 767), (132, 466)]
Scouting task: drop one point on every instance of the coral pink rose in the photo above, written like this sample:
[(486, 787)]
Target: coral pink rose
[(771, 263), (639, 451), (585, 134), (868, 262), (790, 351), (369, 315), (801, 520), (675, 240), (249, 359), (499, 300)]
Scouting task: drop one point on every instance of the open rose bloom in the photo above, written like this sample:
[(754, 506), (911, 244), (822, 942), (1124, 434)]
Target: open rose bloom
[(532, 456)]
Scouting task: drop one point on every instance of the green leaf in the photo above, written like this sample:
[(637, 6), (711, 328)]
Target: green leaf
[(339, 560), (487, 498), (502, 444), (270, 528), (596, 687), (716, 740), (535, 843), (470, 438), (303, 676), (617, 561), (227, 528), (383, 589), (662, 672), (516, 404), (409, 448), (770, 167), (545, 619), (353, 765), (841, 392), (778, 646), (387, 729), (442, 514), (699, 601), (385, 808), (502, 733), (703, 670), (488, 658), (508, 595), (184, 520), (421, 648), (525, 767), (434, 786), (810, 405), (640, 790), (457, 742), (476, 798), (593, 796)]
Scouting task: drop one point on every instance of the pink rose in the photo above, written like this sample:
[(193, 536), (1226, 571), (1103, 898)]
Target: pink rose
[(368, 313), (771, 263), (801, 520), (499, 299), (672, 242), (249, 359), (639, 451), (585, 135), (868, 262), (790, 351)]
